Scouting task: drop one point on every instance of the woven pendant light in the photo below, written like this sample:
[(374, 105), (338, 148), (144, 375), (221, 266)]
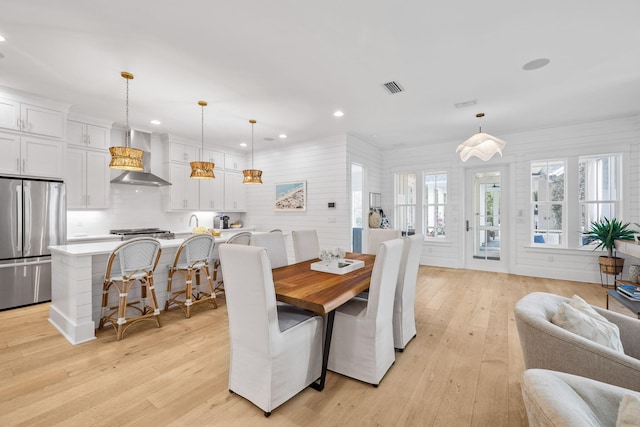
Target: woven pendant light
[(202, 169), (126, 158), (252, 176)]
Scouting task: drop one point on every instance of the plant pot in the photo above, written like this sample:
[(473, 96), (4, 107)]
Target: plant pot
[(611, 265)]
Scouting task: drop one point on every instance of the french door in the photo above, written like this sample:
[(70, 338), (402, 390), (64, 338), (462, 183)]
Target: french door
[(486, 219)]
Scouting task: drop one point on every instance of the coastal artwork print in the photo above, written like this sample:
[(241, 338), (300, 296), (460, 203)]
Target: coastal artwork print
[(291, 196)]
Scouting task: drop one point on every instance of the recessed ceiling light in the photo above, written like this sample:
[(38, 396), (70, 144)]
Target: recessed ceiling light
[(268, 139), (2, 39), (338, 113), (243, 144), (535, 64), (155, 122), (283, 136)]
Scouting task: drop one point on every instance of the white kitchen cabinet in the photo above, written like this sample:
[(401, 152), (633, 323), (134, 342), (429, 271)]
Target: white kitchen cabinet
[(30, 156), (33, 119), (215, 157), (87, 179), (234, 162), (183, 194), (88, 135), (212, 193), (182, 153), (9, 114), (235, 195)]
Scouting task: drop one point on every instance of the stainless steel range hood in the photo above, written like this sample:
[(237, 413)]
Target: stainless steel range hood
[(142, 141)]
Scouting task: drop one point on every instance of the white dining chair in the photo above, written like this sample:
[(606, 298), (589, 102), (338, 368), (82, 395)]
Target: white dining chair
[(305, 245), (379, 235), (276, 248), (404, 319), (275, 351), (362, 340), (242, 238)]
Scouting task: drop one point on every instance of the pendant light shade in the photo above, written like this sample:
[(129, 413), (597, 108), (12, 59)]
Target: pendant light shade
[(126, 158), (481, 145), (202, 169), (252, 176)]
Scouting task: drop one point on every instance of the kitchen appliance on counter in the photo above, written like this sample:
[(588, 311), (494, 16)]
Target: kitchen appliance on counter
[(221, 222), (33, 216), (132, 233)]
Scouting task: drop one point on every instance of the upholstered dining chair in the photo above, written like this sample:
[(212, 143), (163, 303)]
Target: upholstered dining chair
[(379, 235), (404, 318), (192, 258), (275, 351), (362, 340), (276, 248), (305, 245), (131, 263)]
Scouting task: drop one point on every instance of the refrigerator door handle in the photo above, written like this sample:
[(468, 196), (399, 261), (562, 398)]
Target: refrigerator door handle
[(19, 217), (27, 220)]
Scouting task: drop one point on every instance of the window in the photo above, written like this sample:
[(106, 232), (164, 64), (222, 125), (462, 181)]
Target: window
[(548, 202), (598, 189), (434, 206), (405, 194)]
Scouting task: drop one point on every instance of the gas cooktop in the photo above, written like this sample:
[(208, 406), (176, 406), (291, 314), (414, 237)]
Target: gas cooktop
[(130, 233)]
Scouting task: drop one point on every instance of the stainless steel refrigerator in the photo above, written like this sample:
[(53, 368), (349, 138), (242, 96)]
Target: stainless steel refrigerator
[(33, 216)]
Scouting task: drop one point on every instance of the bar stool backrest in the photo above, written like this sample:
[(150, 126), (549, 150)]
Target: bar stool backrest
[(134, 257), (195, 249), (243, 238)]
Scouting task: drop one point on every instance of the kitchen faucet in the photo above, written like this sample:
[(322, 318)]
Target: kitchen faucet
[(196, 217)]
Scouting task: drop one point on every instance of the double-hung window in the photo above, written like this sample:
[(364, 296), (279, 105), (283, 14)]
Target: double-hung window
[(598, 189), (548, 204), (434, 206), (405, 201)]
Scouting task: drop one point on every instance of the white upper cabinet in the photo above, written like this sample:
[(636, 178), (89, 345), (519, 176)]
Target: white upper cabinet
[(88, 135), (182, 153), (216, 157), (235, 194), (34, 119), (234, 162), (183, 193), (9, 114), (212, 192), (87, 177), (30, 156)]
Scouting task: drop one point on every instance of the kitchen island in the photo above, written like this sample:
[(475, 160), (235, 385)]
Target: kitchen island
[(77, 277)]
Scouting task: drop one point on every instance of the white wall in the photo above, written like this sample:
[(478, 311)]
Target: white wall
[(616, 135)]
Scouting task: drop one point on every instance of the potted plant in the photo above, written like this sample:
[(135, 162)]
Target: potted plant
[(606, 231)]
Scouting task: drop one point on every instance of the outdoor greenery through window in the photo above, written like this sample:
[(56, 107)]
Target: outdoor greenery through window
[(548, 202), (405, 201), (598, 189), (435, 201)]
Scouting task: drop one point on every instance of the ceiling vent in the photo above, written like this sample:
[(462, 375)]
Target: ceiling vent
[(393, 87)]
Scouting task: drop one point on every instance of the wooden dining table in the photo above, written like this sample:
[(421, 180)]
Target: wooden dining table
[(321, 293)]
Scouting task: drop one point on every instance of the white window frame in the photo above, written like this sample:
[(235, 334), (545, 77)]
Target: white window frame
[(426, 205), (548, 203), (398, 206)]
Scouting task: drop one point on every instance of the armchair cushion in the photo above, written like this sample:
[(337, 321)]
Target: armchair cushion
[(590, 327), (629, 412)]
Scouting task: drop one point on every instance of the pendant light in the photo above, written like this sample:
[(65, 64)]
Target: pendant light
[(481, 145), (252, 176), (126, 158), (202, 169)]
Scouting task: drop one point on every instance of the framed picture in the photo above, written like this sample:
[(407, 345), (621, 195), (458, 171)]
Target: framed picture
[(291, 196)]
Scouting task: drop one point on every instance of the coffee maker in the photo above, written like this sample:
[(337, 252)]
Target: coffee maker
[(225, 221), (221, 222)]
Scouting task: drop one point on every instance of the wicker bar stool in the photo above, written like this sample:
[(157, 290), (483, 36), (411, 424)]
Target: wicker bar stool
[(192, 258), (130, 263), (242, 238)]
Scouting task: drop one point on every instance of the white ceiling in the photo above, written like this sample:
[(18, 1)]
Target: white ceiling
[(290, 64)]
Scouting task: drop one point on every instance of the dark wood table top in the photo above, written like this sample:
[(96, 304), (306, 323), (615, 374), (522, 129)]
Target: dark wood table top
[(321, 292)]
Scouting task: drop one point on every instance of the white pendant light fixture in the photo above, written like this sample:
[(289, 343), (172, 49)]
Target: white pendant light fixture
[(202, 169), (126, 158), (252, 176), (481, 145)]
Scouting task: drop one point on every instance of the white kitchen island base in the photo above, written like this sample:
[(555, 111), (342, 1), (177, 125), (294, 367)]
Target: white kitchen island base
[(77, 276)]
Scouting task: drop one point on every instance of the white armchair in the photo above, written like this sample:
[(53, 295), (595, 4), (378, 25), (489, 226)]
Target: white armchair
[(559, 399), (548, 346), (404, 318), (275, 351), (362, 340)]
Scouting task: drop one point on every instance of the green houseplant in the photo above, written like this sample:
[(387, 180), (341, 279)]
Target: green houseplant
[(606, 231)]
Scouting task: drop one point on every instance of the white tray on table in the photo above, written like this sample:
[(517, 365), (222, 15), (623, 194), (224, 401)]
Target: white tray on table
[(337, 266)]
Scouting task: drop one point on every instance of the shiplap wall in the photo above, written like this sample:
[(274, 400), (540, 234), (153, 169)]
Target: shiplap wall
[(615, 135)]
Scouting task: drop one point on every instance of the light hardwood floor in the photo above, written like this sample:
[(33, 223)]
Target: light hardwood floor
[(463, 368)]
